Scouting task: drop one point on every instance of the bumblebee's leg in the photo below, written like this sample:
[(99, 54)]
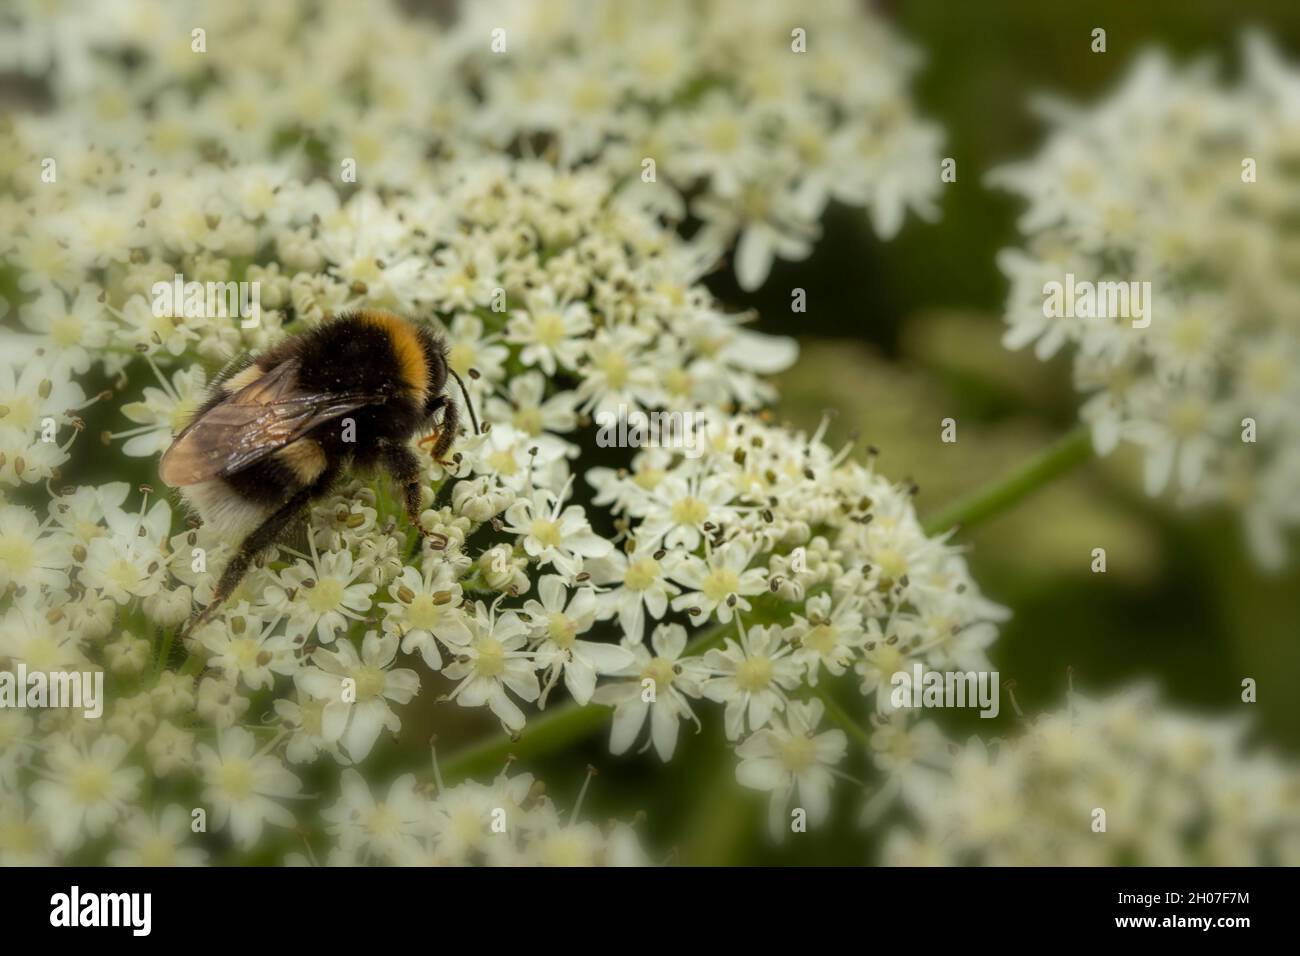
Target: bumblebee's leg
[(262, 537), (405, 468), (436, 434), (442, 436), (447, 429)]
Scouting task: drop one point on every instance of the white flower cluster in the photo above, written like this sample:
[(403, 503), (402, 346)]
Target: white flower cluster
[(739, 570), (754, 114), (815, 563), (822, 566), (522, 259), (94, 590), (1120, 781), (1183, 183)]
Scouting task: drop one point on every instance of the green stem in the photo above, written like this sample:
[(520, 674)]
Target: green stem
[(165, 649), (552, 730), (544, 734), (1072, 449), (841, 716)]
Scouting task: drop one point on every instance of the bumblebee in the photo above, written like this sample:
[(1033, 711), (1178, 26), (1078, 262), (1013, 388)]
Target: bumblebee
[(277, 431)]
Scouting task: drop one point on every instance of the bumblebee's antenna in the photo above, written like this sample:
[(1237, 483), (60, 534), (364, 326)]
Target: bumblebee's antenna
[(468, 404)]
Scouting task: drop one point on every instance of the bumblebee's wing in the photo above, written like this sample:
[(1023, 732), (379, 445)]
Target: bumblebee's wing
[(257, 421)]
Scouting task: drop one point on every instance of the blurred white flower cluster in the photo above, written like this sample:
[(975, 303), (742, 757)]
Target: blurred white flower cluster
[(1182, 182), (409, 827), (1119, 781), (754, 113)]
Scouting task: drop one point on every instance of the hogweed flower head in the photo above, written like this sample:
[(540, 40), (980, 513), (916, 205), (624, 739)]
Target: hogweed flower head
[(1120, 780), (1160, 252)]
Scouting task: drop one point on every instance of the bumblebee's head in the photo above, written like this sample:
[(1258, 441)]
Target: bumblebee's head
[(439, 371)]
